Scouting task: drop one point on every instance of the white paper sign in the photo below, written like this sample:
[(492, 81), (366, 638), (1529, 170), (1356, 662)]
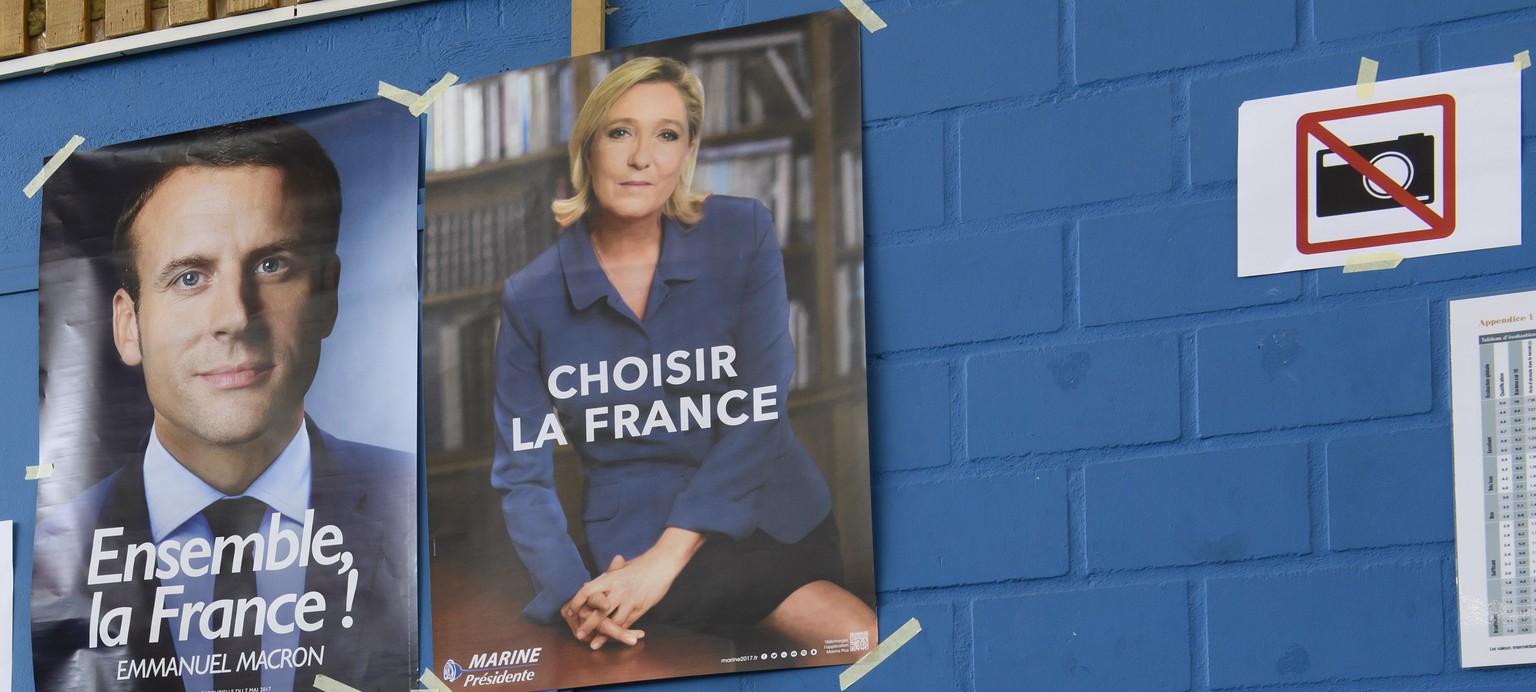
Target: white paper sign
[(1428, 165), (1493, 402)]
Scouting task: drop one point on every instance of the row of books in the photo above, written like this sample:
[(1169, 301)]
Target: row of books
[(531, 110), (480, 246), (764, 171), (507, 116)]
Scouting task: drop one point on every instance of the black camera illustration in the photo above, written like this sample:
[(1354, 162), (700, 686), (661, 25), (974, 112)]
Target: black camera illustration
[(1409, 160)]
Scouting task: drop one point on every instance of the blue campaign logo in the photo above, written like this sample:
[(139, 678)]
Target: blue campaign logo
[(451, 671)]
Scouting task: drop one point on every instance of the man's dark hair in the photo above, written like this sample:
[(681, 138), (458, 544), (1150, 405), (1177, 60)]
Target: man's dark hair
[(309, 179)]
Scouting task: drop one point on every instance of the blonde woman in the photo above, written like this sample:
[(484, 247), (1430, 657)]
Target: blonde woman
[(722, 528)]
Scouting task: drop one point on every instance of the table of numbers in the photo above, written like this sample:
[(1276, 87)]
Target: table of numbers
[(1508, 362)]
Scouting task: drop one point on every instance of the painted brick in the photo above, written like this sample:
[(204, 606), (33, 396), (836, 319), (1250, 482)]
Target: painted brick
[(1071, 397), (930, 534), (18, 407), (909, 416), (1087, 150), (1117, 39), (1492, 45), (1418, 270), (1326, 624), (1390, 489), (1124, 638), (969, 289), (1192, 508), (1346, 18), (1214, 100), (904, 178), (1324, 367), (1169, 262), (967, 52)]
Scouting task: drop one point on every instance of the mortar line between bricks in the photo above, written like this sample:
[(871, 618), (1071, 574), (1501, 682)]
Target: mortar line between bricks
[(1317, 498), (1306, 24), (959, 417), (1072, 275), (1183, 161), (1265, 566), (1429, 52), (950, 160), (1450, 632), (1066, 40), (1189, 385), (964, 623), (1199, 644), (1077, 522)]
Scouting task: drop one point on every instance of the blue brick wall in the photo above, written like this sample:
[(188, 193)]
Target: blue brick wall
[(1187, 509), (1103, 461)]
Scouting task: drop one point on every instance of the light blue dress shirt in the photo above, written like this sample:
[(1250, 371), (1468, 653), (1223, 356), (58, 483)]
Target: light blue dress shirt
[(177, 498)]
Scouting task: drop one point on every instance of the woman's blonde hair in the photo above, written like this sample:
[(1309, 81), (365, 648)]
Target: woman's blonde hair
[(685, 205)]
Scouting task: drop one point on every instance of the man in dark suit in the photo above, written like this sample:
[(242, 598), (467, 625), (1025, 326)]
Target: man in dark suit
[(240, 547)]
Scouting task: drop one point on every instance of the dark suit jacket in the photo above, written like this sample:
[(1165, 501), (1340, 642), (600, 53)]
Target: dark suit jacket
[(367, 492), (718, 283)]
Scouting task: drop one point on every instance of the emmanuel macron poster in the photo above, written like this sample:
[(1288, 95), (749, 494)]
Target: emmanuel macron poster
[(228, 371), (643, 363)]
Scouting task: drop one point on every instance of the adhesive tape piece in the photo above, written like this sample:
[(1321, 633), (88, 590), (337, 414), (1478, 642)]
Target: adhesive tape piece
[(866, 16), (326, 684), (897, 639), (1365, 83), (433, 683), (398, 95), (425, 101), (52, 165), (1522, 60), (1372, 262), (39, 471)]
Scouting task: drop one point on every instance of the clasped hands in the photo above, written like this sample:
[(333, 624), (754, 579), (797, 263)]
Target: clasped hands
[(606, 607)]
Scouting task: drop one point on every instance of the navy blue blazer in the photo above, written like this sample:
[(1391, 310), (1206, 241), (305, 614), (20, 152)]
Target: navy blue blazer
[(368, 492), (718, 283)]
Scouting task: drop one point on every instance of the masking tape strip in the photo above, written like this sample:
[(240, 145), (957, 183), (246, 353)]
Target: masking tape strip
[(874, 658), (1365, 83), (418, 104), (866, 16), (52, 165), (1522, 60), (1372, 262), (432, 682), (39, 471), (325, 684), (398, 95), (431, 94)]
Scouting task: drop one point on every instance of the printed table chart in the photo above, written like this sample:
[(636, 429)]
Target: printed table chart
[(1509, 469)]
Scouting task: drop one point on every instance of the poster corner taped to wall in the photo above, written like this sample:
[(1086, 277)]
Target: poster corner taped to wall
[(1429, 165)]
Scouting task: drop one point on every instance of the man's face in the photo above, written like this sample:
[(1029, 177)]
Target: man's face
[(232, 307)]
